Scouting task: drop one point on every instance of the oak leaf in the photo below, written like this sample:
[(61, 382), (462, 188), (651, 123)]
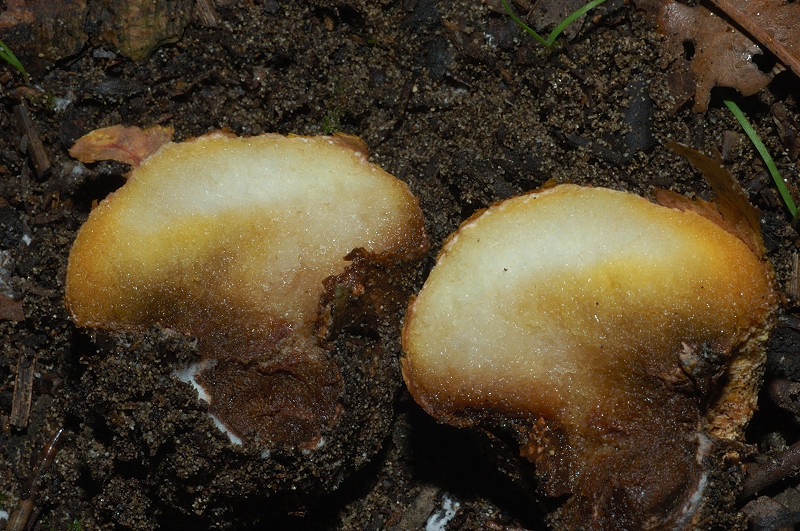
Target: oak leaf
[(722, 54), (130, 145)]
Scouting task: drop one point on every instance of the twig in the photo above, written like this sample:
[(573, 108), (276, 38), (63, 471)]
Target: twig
[(36, 151), (759, 34), (793, 285), (762, 475), (785, 394), (19, 520), (206, 13), (23, 390)]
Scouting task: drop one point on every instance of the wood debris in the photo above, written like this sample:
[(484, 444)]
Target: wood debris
[(23, 390), (34, 146)]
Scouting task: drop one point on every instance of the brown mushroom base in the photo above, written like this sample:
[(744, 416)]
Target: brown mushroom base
[(661, 468), (650, 472), (653, 475), (154, 430), (624, 340)]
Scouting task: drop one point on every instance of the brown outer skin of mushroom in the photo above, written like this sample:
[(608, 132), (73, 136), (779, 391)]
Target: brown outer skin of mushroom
[(644, 469), (269, 376)]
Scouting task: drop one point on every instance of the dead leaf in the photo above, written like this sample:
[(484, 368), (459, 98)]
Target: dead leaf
[(42, 31), (130, 145), (723, 55), (137, 27), (780, 30), (732, 210)]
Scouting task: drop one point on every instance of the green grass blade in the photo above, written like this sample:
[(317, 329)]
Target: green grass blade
[(762, 150), (551, 39), (524, 26), (10, 58)]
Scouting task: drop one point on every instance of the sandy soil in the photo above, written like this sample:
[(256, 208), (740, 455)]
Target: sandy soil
[(450, 97)]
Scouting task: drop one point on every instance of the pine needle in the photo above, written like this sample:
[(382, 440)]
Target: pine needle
[(762, 150), (550, 41), (10, 58)]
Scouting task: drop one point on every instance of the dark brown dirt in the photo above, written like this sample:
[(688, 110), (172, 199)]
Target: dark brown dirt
[(452, 98)]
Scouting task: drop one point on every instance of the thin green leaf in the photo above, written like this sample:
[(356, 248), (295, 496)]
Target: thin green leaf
[(10, 58), (762, 150), (551, 39), (524, 26)]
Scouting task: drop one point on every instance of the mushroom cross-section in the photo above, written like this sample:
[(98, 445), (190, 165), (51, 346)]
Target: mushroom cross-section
[(232, 240), (618, 336)]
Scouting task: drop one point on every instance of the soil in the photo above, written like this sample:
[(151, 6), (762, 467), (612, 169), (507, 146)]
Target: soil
[(451, 97)]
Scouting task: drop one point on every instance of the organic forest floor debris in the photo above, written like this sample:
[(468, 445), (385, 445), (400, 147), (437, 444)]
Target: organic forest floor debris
[(451, 97)]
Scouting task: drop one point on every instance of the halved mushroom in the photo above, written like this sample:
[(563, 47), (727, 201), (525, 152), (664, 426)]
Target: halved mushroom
[(622, 340), (258, 247)]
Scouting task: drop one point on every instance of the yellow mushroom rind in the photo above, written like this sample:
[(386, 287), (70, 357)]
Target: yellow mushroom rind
[(548, 304), (250, 223), (244, 243)]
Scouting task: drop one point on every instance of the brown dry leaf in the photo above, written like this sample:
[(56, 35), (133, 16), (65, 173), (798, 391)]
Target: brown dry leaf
[(130, 145), (139, 26), (723, 55), (736, 213), (42, 31)]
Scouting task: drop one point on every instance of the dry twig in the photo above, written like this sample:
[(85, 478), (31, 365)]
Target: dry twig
[(19, 519), (775, 468), (207, 13), (23, 389), (36, 151)]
